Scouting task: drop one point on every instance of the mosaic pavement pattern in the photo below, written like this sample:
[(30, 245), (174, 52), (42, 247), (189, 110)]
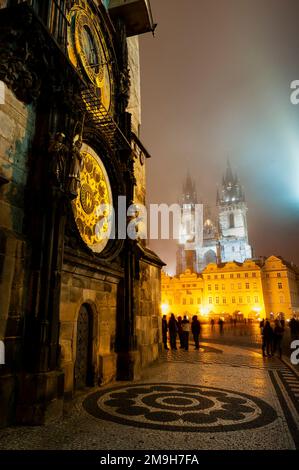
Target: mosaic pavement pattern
[(177, 407)]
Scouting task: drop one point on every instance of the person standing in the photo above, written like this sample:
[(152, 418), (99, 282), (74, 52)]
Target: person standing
[(186, 330), (268, 339), (277, 339), (164, 331), (195, 328), (180, 332), (172, 326)]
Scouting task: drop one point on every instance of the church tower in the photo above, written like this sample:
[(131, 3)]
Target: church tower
[(232, 209), (186, 253)]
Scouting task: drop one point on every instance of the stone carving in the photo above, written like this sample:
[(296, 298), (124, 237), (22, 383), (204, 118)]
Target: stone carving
[(75, 166), (58, 151)]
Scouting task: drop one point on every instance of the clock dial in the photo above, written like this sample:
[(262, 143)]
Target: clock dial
[(90, 54), (93, 206)]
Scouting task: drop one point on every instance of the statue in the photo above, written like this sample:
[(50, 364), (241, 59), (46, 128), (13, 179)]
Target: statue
[(75, 166), (57, 151)]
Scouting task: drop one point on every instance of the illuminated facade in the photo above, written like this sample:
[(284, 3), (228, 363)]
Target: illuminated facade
[(252, 289), (225, 239)]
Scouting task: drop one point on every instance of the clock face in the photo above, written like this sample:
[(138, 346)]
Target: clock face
[(89, 53), (93, 206)]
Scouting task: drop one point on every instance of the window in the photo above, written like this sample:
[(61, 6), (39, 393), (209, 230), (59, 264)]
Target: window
[(233, 300), (209, 287), (194, 285), (184, 301), (233, 249), (253, 274), (238, 275), (248, 299), (224, 300), (209, 277), (184, 285), (231, 276), (223, 287), (239, 285), (247, 285), (216, 276), (217, 300), (246, 274), (210, 300), (279, 285), (240, 300), (191, 301), (278, 274), (231, 221), (256, 299), (255, 285), (216, 286), (222, 276)]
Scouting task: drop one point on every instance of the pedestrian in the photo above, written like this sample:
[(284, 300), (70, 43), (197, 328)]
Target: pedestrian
[(180, 332), (172, 327), (212, 323), (195, 328), (220, 323), (268, 339), (277, 337), (293, 324), (262, 325), (186, 331), (164, 331)]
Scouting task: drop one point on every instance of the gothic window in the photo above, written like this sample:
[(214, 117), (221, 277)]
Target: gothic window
[(231, 221)]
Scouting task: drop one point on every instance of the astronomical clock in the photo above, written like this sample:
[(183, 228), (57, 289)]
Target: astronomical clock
[(93, 206), (90, 52)]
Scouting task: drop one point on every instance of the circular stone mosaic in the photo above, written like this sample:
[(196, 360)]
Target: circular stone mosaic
[(177, 407)]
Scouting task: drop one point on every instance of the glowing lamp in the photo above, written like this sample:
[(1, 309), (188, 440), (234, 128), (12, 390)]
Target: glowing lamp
[(164, 308)]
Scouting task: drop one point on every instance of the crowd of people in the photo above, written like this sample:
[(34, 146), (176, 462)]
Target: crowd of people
[(182, 328), (272, 337)]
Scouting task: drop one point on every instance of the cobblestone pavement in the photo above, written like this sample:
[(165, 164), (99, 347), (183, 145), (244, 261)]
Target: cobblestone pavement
[(221, 397)]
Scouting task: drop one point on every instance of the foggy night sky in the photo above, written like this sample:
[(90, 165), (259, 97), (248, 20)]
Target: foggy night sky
[(216, 83)]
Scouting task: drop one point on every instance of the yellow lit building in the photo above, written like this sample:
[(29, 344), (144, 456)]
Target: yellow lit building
[(253, 289)]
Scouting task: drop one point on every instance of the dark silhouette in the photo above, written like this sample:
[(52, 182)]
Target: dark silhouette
[(164, 331), (294, 328), (186, 331), (172, 327), (195, 328), (277, 339), (220, 323), (212, 323), (180, 332), (268, 339)]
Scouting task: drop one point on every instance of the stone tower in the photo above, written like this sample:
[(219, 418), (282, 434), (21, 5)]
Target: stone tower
[(232, 209)]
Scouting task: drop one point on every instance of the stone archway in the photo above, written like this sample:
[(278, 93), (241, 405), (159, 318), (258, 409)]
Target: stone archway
[(83, 369)]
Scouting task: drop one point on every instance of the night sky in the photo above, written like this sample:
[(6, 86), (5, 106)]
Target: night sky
[(216, 84)]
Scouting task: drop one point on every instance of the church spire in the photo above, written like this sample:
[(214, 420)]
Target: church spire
[(229, 179), (189, 190)]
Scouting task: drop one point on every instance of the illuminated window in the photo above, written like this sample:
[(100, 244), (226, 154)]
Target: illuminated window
[(216, 276), (216, 286), (191, 301), (246, 274), (240, 300), (253, 274), (279, 285), (209, 287), (209, 277), (217, 300), (247, 285), (210, 300), (238, 275), (231, 276), (233, 300), (278, 274), (256, 299), (222, 276), (224, 300)]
